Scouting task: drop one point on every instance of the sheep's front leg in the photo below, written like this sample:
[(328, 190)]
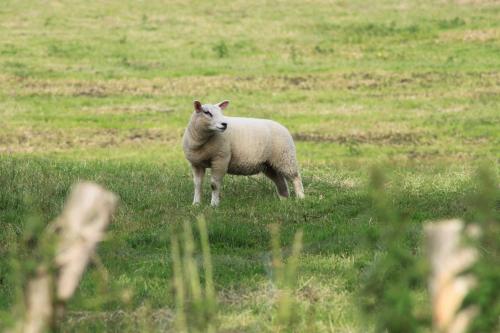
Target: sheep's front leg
[(218, 171), (198, 174)]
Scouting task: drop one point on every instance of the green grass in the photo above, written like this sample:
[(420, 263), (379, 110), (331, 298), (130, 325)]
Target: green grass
[(102, 92)]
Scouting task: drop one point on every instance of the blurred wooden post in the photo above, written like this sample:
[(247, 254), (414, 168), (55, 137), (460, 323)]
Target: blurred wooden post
[(80, 227), (39, 310), (449, 258)]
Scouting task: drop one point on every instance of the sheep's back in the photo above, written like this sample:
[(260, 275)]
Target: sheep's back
[(254, 143)]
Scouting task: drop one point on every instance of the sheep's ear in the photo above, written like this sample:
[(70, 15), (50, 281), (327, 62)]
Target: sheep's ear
[(223, 105), (197, 106)]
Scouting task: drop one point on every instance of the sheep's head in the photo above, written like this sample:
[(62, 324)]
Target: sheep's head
[(209, 117)]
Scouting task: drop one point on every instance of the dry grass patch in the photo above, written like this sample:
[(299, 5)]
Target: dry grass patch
[(482, 35), (199, 85), (478, 2), (311, 296), (391, 138), (127, 109), (140, 319), (28, 140)]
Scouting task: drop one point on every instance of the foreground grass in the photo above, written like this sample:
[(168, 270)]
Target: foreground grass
[(103, 93), (336, 219)]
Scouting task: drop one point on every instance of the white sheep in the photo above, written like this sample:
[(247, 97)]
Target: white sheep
[(238, 146)]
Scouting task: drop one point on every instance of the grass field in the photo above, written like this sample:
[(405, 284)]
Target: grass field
[(103, 92)]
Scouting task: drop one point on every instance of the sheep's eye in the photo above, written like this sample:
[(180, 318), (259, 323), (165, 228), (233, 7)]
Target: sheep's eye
[(207, 113)]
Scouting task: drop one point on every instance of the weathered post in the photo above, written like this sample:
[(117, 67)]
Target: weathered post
[(449, 258), (77, 231)]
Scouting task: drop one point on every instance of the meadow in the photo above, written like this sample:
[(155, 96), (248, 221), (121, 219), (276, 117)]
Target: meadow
[(103, 92)]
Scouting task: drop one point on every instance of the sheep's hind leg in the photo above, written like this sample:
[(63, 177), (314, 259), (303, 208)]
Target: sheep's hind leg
[(279, 181), (299, 189), (295, 179)]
